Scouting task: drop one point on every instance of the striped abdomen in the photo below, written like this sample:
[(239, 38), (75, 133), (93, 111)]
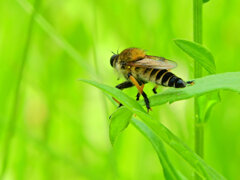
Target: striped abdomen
[(159, 76)]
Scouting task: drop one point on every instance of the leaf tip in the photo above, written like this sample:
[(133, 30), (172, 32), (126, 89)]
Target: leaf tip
[(112, 140)]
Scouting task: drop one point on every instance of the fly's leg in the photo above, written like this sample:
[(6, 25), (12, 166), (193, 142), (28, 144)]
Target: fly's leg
[(138, 94), (190, 82), (140, 90), (124, 85), (155, 89)]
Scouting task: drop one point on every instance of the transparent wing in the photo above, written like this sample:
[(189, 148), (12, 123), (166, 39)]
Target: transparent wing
[(154, 62)]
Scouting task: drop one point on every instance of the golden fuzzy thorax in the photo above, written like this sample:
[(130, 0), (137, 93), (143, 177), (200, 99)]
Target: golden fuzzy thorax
[(132, 54)]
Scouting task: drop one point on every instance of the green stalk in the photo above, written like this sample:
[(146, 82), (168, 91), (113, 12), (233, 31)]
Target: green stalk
[(16, 101), (197, 36), (95, 57)]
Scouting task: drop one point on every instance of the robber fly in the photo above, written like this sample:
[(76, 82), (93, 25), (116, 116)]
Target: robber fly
[(139, 68)]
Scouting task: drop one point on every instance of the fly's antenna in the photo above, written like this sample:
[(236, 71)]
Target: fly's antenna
[(115, 53)]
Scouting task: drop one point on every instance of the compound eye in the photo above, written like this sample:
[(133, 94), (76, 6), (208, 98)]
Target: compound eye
[(112, 59)]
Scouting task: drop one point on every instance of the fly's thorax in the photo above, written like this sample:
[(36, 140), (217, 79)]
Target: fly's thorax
[(122, 68), (137, 72), (132, 54)]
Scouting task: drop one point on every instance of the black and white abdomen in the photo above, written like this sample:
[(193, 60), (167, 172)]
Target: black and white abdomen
[(161, 77), (169, 79)]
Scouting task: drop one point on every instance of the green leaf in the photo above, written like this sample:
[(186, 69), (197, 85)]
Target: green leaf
[(168, 169), (119, 121), (130, 103), (205, 58), (205, 1), (181, 148), (206, 103), (162, 132), (207, 84), (198, 53)]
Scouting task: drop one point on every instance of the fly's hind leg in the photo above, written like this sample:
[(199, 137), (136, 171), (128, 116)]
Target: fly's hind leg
[(138, 94), (190, 82), (155, 89), (146, 100), (124, 85), (140, 90)]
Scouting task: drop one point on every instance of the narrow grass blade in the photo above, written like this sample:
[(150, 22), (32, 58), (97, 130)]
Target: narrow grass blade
[(130, 103), (198, 53), (122, 116), (14, 114), (181, 148), (168, 169), (47, 27), (161, 131), (226, 81)]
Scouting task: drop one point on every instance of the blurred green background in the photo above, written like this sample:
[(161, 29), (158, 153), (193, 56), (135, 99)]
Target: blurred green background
[(61, 127)]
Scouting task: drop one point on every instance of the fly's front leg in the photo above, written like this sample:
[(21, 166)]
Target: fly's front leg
[(124, 85), (140, 90)]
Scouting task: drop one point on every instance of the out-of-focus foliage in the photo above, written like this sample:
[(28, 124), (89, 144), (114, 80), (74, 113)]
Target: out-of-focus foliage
[(62, 125), (199, 53)]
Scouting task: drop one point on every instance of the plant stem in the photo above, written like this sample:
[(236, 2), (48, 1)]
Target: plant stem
[(95, 57), (197, 36), (14, 114)]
